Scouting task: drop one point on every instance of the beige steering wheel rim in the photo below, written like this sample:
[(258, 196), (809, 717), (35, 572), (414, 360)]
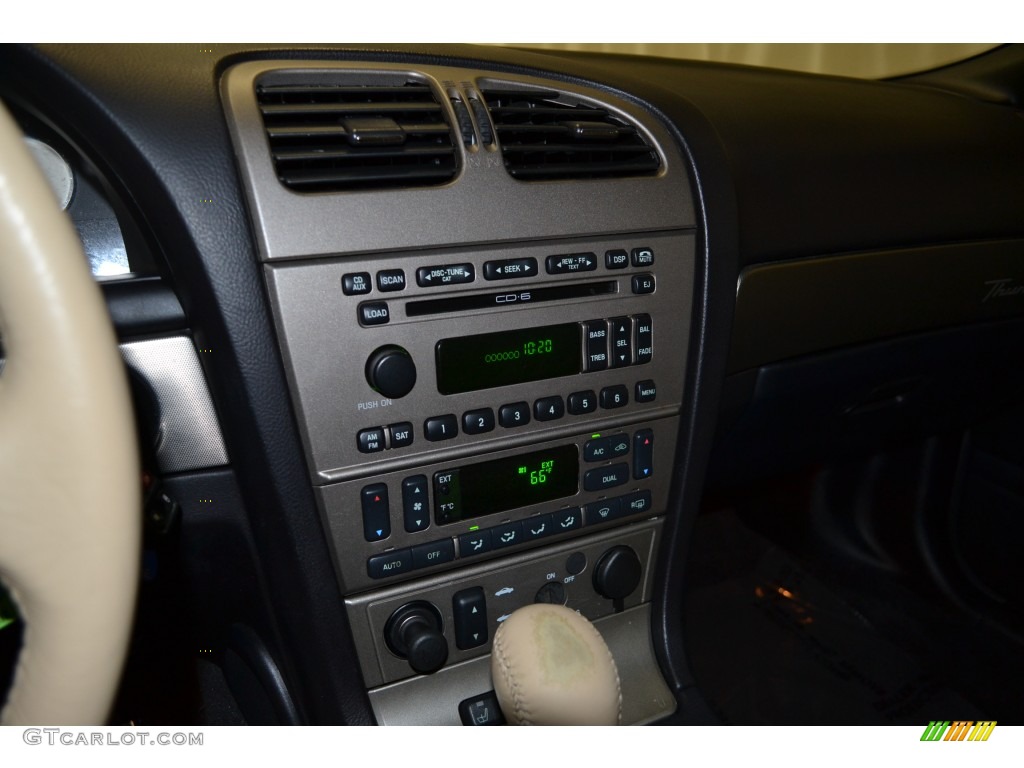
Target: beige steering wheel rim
[(69, 469)]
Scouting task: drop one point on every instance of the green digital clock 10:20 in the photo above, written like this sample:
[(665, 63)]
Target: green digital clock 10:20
[(469, 363)]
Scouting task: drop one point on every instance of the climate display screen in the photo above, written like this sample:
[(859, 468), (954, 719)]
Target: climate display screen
[(469, 363), (502, 484)]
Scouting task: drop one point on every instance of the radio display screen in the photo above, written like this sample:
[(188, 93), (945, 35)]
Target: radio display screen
[(503, 484), (469, 363)]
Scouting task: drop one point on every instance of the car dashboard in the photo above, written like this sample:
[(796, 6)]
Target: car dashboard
[(420, 335)]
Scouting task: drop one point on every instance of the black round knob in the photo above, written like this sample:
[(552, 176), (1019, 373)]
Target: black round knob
[(391, 371), (617, 573), (414, 633)]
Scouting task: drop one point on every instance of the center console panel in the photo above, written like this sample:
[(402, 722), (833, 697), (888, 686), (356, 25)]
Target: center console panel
[(489, 401)]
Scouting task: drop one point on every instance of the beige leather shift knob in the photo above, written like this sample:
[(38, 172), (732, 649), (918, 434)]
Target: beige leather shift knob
[(550, 666)]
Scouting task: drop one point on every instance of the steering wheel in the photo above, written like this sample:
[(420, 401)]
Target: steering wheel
[(70, 518)]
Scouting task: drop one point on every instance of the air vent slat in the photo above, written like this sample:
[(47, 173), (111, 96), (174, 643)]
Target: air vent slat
[(583, 170), (509, 114), (572, 148), (339, 131), (409, 90), (334, 137), (341, 153), (364, 176), (546, 135), (348, 108)]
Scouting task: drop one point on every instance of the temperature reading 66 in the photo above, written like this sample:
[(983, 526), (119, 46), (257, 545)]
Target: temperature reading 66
[(540, 475)]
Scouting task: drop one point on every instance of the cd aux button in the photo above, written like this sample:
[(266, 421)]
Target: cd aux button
[(356, 283)]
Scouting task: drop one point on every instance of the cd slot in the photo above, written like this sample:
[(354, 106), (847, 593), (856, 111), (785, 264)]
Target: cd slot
[(510, 297)]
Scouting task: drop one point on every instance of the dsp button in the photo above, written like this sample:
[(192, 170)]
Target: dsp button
[(509, 269), (617, 259)]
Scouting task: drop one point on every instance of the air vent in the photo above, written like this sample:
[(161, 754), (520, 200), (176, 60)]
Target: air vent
[(356, 137), (546, 135)]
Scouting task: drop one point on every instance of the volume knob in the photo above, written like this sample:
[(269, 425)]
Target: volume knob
[(391, 371)]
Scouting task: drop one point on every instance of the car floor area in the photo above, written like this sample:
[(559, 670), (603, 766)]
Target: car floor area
[(779, 638)]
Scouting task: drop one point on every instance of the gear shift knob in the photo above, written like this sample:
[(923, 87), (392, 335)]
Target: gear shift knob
[(550, 666)]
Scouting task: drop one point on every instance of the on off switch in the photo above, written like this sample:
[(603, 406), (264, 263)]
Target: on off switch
[(391, 371)]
